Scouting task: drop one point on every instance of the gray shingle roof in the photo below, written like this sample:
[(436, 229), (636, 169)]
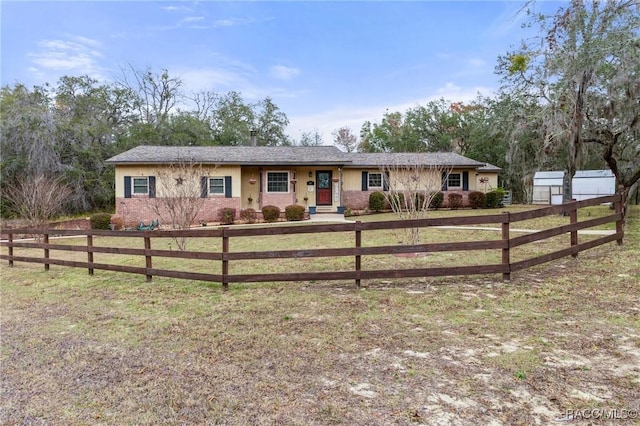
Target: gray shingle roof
[(294, 155), (450, 159), (489, 168), (254, 155)]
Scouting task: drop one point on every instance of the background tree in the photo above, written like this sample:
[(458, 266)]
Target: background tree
[(158, 93), (587, 49), (270, 124), (345, 139), (27, 138), (311, 139), (233, 119), (89, 118)]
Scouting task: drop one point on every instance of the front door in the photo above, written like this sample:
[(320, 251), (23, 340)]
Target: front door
[(323, 188)]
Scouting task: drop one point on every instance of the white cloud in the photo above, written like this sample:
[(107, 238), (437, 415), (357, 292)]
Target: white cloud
[(230, 22), (74, 55), (282, 72), (192, 19)]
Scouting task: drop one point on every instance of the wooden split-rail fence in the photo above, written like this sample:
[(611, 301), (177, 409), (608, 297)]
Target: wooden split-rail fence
[(505, 244)]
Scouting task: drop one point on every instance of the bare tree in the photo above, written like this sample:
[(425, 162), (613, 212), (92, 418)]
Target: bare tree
[(181, 199), (412, 188), (158, 93), (38, 199), (344, 138)]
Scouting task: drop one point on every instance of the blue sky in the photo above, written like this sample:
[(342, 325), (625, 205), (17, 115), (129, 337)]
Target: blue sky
[(325, 64)]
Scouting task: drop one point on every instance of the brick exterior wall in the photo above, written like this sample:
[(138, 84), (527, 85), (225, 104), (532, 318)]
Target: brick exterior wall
[(359, 200), (279, 200), (356, 200), (141, 209)]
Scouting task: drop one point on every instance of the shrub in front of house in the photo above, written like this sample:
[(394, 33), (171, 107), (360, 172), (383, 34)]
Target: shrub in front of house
[(477, 199), (494, 199), (248, 215), (294, 212), (455, 200), (227, 216), (376, 201), (436, 200), (397, 199), (100, 221), (117, 222), (271, 213)]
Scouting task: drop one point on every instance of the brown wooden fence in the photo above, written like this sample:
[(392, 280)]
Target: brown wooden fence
[(505, 244)]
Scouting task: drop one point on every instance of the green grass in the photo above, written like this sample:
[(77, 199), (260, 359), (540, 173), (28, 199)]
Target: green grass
[(115, 349)]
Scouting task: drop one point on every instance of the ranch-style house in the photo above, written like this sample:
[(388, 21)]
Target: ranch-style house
[(320, 178)]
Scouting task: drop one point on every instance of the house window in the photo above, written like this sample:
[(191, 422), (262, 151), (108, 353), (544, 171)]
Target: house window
[(140, 186), (454, 180), (277, 181), (375, 180), (216, 186)]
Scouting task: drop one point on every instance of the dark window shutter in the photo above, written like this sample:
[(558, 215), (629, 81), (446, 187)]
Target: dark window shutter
[(127, 187), (465, 181), (227, 187), (445, 184), (152, 187), (385, 181), (365, 181), (204, 191)]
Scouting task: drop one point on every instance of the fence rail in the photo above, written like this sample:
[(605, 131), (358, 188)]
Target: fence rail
[(505, 244)]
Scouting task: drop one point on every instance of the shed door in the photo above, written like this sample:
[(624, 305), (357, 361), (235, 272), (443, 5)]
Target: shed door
[(323, 188)]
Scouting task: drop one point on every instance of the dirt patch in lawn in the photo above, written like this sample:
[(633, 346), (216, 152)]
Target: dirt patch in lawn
[(556, 341)]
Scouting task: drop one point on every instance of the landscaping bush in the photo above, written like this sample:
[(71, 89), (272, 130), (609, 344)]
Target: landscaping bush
[(397, 199), (227, 216), (117, 221), (436, 200), (271, 213), (419, 200), (100, 221), (494, 199), (294, 212), (455, 201), (248, 215), (477, 199), (376, 201)]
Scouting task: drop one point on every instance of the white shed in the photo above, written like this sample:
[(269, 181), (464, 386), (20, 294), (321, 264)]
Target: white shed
[(547, 186)]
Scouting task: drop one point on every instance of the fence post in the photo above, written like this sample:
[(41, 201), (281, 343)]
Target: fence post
[(10, 239), (573, 219), (45, 240), (147, 254), (90, 253), (358, 256), (225, 261), (620, 210), (506, 258)]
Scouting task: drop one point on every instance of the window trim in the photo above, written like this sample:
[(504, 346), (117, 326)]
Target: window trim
[(133, 185), (269, 172), (375, 186), (216, 194), (459, 175)]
